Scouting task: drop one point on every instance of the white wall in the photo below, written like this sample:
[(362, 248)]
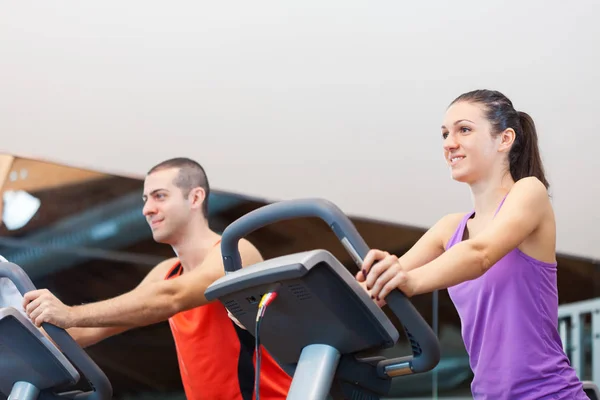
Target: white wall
[(267, 94)]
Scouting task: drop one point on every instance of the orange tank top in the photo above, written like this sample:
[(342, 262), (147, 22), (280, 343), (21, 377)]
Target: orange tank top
[(217, 358)]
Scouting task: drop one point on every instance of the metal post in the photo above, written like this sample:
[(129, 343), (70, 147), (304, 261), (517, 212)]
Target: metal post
[(23, 391), (576, 343), (314, 373)]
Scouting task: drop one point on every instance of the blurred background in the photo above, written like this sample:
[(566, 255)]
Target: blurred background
[(81, 234)]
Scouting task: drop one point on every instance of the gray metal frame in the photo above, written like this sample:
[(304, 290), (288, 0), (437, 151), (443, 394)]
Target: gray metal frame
[(41, 359), (336, 295), (426, 349), (314, 373), (591, 389), (29, 357)]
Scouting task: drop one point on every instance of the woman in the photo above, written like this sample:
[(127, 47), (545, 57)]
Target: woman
[(498, 261)]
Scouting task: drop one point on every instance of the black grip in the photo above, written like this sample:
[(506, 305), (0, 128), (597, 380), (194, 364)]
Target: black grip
[(424, 343), (70, 348)]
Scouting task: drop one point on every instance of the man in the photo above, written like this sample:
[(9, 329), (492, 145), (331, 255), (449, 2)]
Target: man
[(215, 356)]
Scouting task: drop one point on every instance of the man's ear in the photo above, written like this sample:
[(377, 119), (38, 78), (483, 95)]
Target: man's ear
[(197, 197), (507, 138)]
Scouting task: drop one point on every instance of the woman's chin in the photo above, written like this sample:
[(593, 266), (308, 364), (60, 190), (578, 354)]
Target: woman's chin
[(460, 177)]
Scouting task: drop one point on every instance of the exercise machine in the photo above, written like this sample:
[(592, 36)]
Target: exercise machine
[(320, 321), (591, 389), (34, 367)]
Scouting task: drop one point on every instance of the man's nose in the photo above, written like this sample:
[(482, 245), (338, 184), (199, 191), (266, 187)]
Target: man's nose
[(148, 209)]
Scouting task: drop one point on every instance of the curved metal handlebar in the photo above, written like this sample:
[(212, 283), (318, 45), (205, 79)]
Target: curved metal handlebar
[(70, 348), (425, 346)]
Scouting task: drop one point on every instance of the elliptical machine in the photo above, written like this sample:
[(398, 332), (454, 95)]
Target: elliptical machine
[(32, 367), (319, 319)]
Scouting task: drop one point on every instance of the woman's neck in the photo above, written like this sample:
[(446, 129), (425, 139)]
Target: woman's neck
[(487, 195)]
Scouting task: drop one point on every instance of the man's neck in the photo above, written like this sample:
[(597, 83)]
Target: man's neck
[(193, 247)]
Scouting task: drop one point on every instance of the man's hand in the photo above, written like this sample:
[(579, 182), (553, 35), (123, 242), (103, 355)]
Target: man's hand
[(42, 306)]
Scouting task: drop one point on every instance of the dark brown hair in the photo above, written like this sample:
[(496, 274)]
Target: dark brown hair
[(524, 156)]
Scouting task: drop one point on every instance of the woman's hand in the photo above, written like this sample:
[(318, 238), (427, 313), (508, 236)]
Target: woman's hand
[(382, 273)]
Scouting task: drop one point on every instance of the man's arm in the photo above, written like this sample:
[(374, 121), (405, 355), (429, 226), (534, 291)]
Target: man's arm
[(89, 336), (86, 337), (146, 304)]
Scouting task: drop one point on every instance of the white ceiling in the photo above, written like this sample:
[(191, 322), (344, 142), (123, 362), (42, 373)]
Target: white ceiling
[(337, 99)]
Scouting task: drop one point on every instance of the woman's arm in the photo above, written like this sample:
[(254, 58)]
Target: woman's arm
[(523, 212)]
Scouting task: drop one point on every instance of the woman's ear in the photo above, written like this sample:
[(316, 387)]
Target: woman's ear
[(507, 138)]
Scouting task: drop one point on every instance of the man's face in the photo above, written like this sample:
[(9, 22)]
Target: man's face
[(165, 208)]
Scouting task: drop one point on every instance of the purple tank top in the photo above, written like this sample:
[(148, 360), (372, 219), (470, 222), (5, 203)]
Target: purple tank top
[(509, 324)]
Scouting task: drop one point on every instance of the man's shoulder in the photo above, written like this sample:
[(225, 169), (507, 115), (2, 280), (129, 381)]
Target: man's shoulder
[(166, 265), (249, 252), (246, 244), (160, 271)]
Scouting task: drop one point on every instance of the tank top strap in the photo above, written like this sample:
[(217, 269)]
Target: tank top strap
[(177, 270), (500, 205), (460, 230)]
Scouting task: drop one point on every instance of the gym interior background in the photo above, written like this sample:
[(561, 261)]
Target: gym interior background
[(81, 234)]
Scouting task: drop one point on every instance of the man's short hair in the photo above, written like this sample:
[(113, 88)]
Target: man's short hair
[(191, 175)]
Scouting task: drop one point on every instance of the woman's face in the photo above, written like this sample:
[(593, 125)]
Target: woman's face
[(470, 149)]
